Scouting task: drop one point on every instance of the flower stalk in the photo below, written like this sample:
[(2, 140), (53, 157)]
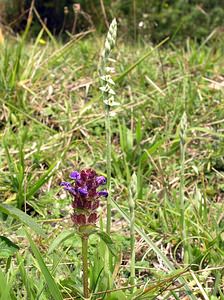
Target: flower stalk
[(108, 138), (182, 135), (85, 238), (132, 197), (132, 239), (108, 94)]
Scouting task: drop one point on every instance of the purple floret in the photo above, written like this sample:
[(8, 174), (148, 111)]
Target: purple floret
[(68, 187), (82, 191), (65, 184), (101, 180), (103, 193), (75, 175)]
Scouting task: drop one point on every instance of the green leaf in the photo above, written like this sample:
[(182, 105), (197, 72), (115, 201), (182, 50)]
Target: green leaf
[(53, 287), (60, 239), (26, 280), (7, 247), (4, 287), (22, 217), (152, 149), (107, 240), (43, 179), (118, 295), (141, 59)]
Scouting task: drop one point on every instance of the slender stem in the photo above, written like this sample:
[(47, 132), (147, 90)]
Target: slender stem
[(8, 263), (74, 23), (85, 265), (132, 238), (104, 13), (182, 203), (134, 20), (108, 148)]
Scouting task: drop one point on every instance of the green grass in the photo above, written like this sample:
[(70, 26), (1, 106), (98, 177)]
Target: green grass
[(52, 121)]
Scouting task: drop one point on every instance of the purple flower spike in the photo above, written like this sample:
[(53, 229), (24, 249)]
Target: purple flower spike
[(83, 191), (85, 197), (103, 193), (75, 175), (101, 180)]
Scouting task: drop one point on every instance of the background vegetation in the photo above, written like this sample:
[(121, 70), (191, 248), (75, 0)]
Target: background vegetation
[(52, 122), (147, 20)]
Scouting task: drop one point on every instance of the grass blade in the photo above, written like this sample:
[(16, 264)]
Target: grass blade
[(64, 235), (22, 217), (43, 179), (53, 287), (4, 287), (7, 247), (141, 59)]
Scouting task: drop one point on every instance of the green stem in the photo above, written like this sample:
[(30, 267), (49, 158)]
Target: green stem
[(8, 263), (85, 265), (108, 149), (132, 238), (182, 203)]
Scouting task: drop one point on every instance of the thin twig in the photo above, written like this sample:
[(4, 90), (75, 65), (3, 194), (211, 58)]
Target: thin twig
[(104, 13)]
